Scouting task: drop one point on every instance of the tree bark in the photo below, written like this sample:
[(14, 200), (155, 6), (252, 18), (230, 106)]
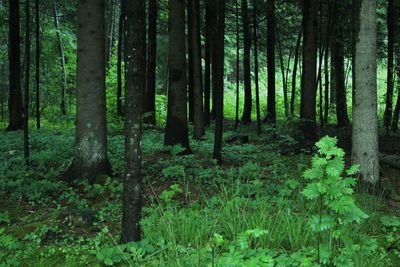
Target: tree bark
[(207, 67), (256, 67), (271, 43), (37, 74), (190, 76), (150, 101), (365, 120), (309, 81), (135, 84), (91, 133), (246, 117), (15, 96), (119, 59), (176, 132), (237, 64), (294, 74), (27, 80)]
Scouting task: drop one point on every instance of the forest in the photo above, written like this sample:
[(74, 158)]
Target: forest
[(200, 133)]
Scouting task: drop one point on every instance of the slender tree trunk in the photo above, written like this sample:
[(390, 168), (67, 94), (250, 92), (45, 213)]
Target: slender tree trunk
[(283, 72), (150, 101), (15, 96), (326, 78), (62, 59), (37, 75), (256, 67), (237, 64), (119, 59), (135, 58), (390, 68), (365, 119), (246, 117), (176, 132), (190, 61), (27, 77), (91, 133), (271, 43), (109, 30), (309, 81), (294, 75), (207, 67), (219, 48), (197, 71), (396, 113)]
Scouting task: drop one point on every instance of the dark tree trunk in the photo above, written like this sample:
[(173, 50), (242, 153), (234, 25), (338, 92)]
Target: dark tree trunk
[(219, 48), (271, 43), (396, 113), (27, 77), (91, 133), (309, 81), (119, 58), (246, 117), (390, 68), (256, 67), (62, 59), (326, 78), (237, 65), (197, 70), (135, 58), (37, 74), (150, 101), (176, 132), (15, 95), (110, 18), (190, 60), (213, 22), (294, 75), (283, 72), (207, 67)]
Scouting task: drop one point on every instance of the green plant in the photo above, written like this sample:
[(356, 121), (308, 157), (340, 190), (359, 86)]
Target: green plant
[(330, 187)]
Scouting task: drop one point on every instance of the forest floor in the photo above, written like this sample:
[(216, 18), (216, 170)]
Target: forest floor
[(247, 212)]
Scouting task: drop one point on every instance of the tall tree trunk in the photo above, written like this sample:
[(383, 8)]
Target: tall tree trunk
[(190, 60), (365, 120), (150, 102), (62, 59), (396, 113), (207, 61), (237, 65), (110, 17), (294, 74), (256, 67), (309, 81), (197, 71), (271, 43), (37, 74), (119, 58), (135, 84), (218, 55), (27, 77), (326, 78), (390, 69), (176, 132), (246, 117), (91, 133), (283, 72), (15, 95)]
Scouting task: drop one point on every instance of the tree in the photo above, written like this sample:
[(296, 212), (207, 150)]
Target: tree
[(309, 81), (27, 78), (294, 73), (246, 117), (256, 67), (237, 64), (271, 43), (176, 132), (37, 74), (15, 96), (135, 58), (119, 59), (190, 56), (218, 55), (207, 61), (365, 121), (91, 134), (150, 96), (194, 6)]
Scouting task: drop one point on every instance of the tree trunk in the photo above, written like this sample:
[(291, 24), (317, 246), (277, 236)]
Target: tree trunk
[(283, 72), (62, 59), (91, 133), (207, 67), (365, 121), (190, 61), (176, 132), (396, 113), (256, 68), (246, 117), (309, 81), (294, 74), (27, 77), (119, 59), (37, 74), (271, 40), (110, 14), (326, 78), (219, 48), (390, 68), (15, 95), (237, 65), (150, 102), (135, 83)]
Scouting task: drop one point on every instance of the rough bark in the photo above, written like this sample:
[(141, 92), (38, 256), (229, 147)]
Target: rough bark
[(246, 117), (176, 132), (135, 84), (365, 121), (91, 134), (15, 95), (271, 43)]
